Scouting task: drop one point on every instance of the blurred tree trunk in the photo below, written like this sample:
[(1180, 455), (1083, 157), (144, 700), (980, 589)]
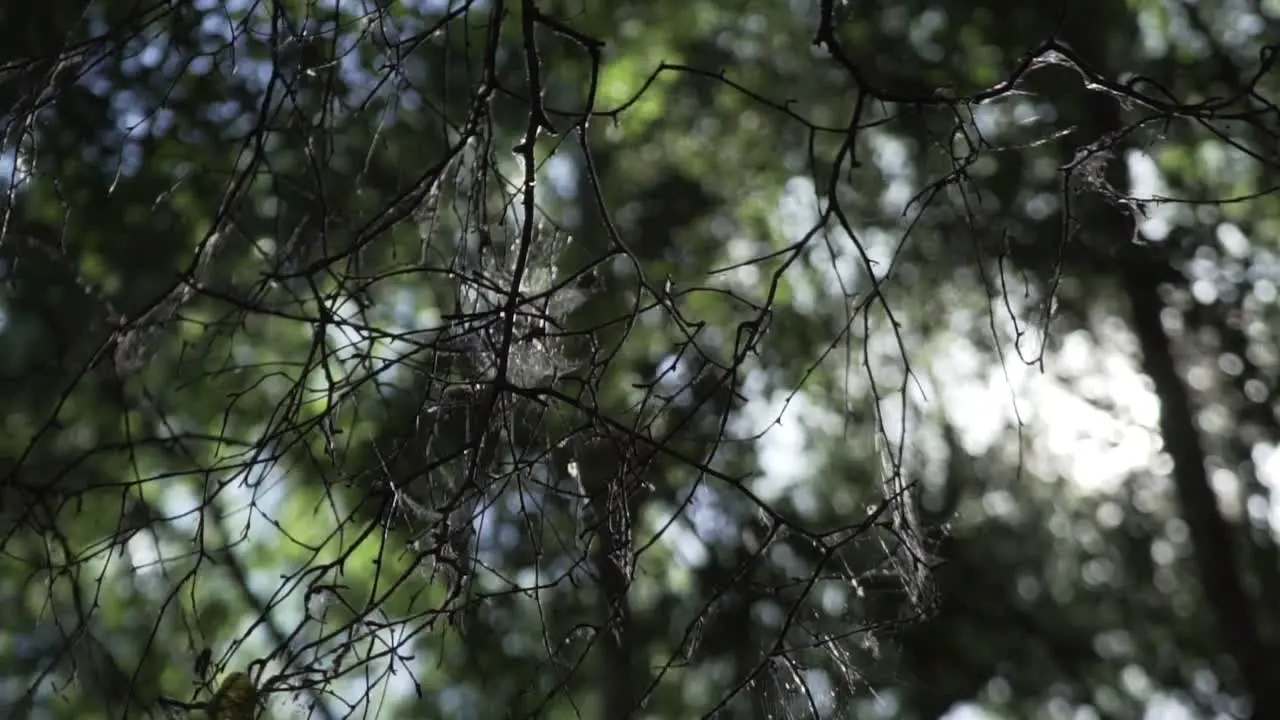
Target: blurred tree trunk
[(607, 515), (1140, 272), (610, 529), (1210, 536)]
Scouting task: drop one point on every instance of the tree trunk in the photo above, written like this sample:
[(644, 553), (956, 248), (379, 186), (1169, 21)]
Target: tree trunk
[(1140, 272), (609, 525), (1210, 535)]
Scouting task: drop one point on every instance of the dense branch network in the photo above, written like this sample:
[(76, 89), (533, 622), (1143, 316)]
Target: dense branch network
[(441, 358)]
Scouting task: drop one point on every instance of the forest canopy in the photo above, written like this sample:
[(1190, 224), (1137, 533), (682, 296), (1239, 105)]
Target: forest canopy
[(561, 358)]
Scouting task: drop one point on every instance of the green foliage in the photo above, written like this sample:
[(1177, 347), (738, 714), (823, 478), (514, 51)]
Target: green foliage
[(256, 266)]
